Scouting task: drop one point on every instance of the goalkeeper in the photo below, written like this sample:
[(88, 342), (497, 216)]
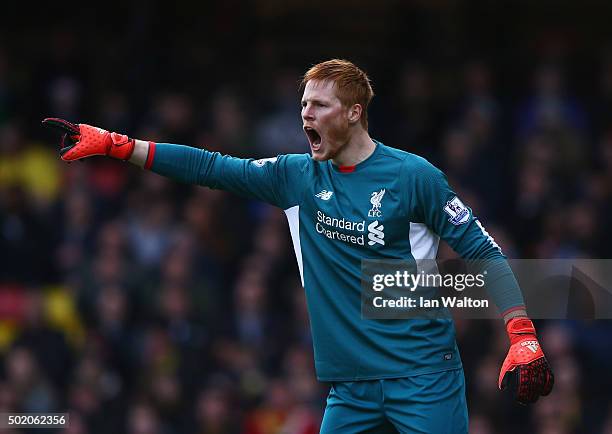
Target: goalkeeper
[(386, 375)]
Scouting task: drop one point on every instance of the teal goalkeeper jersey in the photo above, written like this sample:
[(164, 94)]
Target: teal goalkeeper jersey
[(393, 205)]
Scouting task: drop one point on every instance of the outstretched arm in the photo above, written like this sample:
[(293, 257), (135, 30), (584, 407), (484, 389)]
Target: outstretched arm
[(272, 180)]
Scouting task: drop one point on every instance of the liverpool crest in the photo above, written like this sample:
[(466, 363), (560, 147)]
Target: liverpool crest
[(376, 199)]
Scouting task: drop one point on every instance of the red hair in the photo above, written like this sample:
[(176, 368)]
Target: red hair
[(352, 84)]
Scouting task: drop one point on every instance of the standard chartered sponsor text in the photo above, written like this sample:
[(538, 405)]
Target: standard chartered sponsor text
[(342, 223)]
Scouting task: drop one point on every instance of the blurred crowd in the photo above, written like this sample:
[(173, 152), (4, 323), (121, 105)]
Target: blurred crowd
[(143, 306)]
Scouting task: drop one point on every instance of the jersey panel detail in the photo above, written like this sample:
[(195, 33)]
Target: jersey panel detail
[(489, 237), (423, 242), (293, 218), (424, 247)]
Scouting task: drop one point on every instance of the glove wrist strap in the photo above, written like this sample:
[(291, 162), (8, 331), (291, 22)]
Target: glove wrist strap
[(122, 146), (520, 328)]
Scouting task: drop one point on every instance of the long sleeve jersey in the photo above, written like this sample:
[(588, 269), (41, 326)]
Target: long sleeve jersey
[(393, 205)]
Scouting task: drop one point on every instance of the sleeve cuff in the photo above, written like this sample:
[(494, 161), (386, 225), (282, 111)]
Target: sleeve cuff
[(150, 156), (514, 312)]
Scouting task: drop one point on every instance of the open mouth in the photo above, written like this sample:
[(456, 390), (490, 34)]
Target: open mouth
[(313, 137)]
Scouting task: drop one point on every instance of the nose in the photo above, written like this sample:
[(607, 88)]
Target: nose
[(307, 113)]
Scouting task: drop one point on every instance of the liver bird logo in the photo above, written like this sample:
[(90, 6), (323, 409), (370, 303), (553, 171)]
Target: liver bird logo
[(376, 199)]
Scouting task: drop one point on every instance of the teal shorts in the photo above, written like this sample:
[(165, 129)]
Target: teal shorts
[(428, 404)]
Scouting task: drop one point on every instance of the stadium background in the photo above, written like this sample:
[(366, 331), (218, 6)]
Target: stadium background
[(143, 306)]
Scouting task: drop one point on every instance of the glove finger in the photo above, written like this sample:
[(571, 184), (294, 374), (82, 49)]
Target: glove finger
[(549, 381), (527, 396), (511, 382), (526, 393), (520, 387), (65, 149), (70, 153), (62, 125), (534, 380), (68, 142), (541, 376), (506, 380), (531, 398)]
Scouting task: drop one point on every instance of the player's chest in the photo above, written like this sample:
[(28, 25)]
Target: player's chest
[(366, 213)]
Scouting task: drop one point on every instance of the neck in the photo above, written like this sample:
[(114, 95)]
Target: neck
[(358, 148)]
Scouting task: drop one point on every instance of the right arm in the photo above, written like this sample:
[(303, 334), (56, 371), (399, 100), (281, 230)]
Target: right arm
[(273, 180), (277, 181)]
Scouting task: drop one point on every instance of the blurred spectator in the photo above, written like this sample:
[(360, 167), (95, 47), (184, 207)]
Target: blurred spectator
[(214, 412), (49, 347), (149, 231), (142, 419), (33, 393), (174, 115), (229, 131), (76, 232), (280, 130), (416, 109), (65, 95), (279, 413), (550, 107)]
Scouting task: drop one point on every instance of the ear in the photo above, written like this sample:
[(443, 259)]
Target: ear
[(354, 113)]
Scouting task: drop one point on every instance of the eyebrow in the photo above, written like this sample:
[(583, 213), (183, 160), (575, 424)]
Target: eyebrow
[(314, 100)]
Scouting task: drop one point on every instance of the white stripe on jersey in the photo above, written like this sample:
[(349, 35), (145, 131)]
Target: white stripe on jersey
[(486, 234), (423, 242), (293, 217), (424, 247)]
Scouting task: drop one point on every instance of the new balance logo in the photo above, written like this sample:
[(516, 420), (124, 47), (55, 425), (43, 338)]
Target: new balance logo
[(376, 234), (324, 194), (532, 345), (261, 162)]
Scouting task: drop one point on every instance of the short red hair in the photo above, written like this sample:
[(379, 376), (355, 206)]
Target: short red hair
[(353, 85)]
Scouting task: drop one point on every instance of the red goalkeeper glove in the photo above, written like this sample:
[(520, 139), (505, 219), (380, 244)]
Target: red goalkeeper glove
[(82, 140), (525, 369)]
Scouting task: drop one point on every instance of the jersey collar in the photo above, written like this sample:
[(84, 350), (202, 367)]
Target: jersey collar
[(360, 166)]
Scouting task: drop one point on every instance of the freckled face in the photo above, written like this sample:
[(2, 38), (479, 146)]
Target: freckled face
[(325, 119)]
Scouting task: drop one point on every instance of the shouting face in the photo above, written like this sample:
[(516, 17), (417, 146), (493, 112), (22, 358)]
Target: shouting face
[(326, 121)]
